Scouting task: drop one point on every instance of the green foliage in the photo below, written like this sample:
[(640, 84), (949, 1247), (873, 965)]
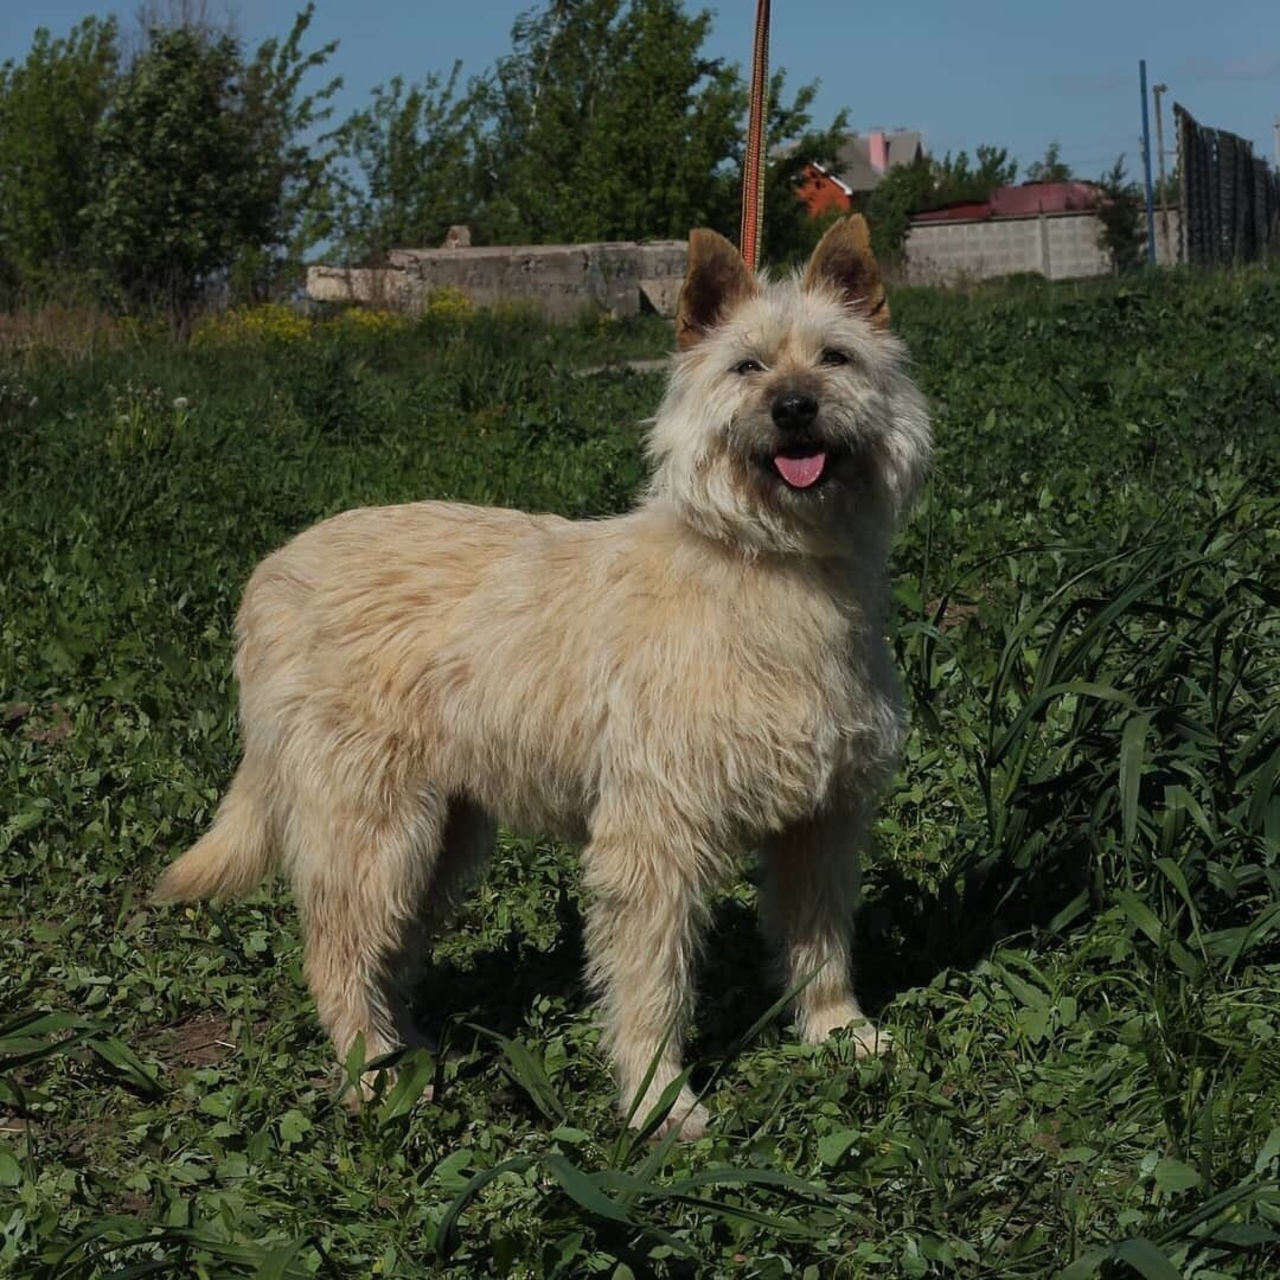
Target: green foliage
[(50, 106), (179, 189), (292, 170), (1052, 168), (605, 122), (202, 168), (1072, 918), (956, 180), (190, 168), (903, 190), (1124, 232), (407, 168), (198, 168)]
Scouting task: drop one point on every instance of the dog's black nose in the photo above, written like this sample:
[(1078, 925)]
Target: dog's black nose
[(794, 412)]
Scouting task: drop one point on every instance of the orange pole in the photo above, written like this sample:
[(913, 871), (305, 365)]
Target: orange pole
[(753, 161)]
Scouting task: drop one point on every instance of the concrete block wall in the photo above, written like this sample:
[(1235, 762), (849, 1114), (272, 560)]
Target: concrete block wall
[(1059, 246), (622, 278)]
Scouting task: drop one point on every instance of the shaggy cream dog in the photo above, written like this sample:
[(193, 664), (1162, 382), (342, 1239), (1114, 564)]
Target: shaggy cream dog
[(704, 676)]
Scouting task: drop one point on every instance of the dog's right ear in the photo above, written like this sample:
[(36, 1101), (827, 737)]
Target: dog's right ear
[(717, 280), (843, 261)]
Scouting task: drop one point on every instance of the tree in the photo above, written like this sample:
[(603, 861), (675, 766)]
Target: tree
[(608, 121), (932, 184), (1051, 168), (956, 181), (1123, 234), (406, 168), (202, 168), (905, 189), (177, 195), (50, 107), (281, 117)]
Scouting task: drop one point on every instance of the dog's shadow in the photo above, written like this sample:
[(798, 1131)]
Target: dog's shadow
[(497, 986), (906, 935)]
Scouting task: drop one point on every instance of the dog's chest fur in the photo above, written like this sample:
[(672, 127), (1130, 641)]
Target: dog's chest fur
[(783, 694)]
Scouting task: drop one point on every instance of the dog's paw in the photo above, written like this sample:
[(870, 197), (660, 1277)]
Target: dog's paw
[(870, 1041), (687, 1117), (689, 1127)]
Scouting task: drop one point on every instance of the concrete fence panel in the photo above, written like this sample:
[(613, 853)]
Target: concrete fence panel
[(1059, 246), (622, 278)]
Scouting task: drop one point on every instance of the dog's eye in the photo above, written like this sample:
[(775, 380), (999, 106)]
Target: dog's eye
[(833, 358), (748, 366)]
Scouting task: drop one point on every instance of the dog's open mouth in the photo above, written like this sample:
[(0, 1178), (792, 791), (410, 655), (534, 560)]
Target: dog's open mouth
[(801, 467)]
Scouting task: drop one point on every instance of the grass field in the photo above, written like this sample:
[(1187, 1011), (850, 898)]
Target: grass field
[(1072, 919)]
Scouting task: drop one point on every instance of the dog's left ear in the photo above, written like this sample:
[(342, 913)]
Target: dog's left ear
[(843, 260), (717, 279)]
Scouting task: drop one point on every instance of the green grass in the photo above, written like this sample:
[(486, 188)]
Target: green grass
[(1072, 921)]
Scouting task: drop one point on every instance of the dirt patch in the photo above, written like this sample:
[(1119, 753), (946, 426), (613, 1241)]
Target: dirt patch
[(45, 728), (956, 612), (198, 1041), (132, 1203), (632, 366), (12, 714)]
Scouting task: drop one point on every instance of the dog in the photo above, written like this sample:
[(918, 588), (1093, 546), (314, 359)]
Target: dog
[(671, 688)]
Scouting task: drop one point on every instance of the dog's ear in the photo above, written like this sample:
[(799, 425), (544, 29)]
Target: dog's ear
[(843, 260), (717, 280)]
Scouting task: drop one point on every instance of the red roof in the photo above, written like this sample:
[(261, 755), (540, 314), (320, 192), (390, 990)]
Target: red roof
[(1021, 201)]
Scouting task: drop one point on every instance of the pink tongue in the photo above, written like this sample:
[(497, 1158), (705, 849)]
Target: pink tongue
[(800, 473)]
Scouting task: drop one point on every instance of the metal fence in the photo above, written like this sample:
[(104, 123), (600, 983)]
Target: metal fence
[(1230, 198)]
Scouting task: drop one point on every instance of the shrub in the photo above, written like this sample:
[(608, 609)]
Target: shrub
[(267, 323)]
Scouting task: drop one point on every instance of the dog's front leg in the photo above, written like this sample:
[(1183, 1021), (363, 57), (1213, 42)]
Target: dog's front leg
[(645, 920), (807, 905)]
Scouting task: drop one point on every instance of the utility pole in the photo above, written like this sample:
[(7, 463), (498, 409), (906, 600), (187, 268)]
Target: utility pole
[(1156, 91), (1276, 126), (1146, 161)]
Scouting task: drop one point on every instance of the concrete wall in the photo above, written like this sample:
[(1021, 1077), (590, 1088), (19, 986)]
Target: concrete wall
[(1057, 245), (622, 278)]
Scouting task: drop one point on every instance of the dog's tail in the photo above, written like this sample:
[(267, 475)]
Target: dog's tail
[(229, 860)]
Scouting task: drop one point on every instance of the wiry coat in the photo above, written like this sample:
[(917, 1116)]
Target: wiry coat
[(703, 676)]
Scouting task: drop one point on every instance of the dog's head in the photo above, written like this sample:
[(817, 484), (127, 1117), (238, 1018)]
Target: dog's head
[(790, 423)]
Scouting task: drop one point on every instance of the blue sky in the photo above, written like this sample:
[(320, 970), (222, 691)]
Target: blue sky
[(1016, 73)]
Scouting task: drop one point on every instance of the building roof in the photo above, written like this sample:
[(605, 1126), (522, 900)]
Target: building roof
[(1019, 202), (853, 164)]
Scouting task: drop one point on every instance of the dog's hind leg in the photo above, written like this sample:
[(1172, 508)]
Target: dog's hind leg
[(361, 865), (645, 920), (807, 903)]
